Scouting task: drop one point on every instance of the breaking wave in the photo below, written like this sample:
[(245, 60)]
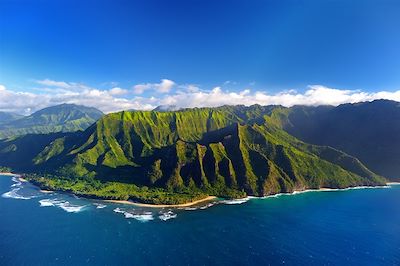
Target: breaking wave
[(99, 205), (165, 216), (13, 193), (63, 204), (140, 216), (207, 206), (235, 201)]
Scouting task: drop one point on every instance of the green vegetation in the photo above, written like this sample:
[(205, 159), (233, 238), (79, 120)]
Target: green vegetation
[(60, 118), (176, 157), (369, 131), (93, 188), (5, 169)]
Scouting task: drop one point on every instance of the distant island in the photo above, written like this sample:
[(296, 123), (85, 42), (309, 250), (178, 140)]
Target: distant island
[(177, 157)]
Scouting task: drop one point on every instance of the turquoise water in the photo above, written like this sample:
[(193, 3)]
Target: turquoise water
[(352, 227)]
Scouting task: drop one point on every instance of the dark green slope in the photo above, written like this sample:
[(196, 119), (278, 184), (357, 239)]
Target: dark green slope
[(18, 152), (226, 151), (60, 118), (369, 131)]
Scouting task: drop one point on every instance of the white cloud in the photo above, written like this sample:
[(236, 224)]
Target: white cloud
[(118, 91), (314, 95), (117, 99), (105, 100), (163, 87), (189, 87), (62, 84), (52, 83)]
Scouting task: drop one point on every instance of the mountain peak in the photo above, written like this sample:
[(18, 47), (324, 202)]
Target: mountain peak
[(167, 108), (59, 118)]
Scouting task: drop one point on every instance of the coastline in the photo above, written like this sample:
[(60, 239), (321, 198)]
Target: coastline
[(209, 198), (9, 173), (392, 183), (296, 192), (46, 191)]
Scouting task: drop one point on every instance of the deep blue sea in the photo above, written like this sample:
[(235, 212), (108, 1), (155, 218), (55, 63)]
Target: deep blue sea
[(350, 227)]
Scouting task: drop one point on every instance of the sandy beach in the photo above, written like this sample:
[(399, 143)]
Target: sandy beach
[(209, 198), (46, 191), (8, 173)]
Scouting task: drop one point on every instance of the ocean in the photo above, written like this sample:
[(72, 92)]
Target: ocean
[(344, 227)]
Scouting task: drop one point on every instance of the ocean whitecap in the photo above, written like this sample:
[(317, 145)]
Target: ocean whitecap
[(189, 208), (118, 210), (128, 215), (18, 184), (143, 217), (235, 201), (12, 194), (165, 216), (68, 207), (63, 204), (99, 205), (16, 180), (207, 206), (48, 202)]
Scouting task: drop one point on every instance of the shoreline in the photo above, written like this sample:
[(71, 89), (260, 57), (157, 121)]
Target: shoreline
[(9, 173), (296, 192), (209, 198), (46, 191)]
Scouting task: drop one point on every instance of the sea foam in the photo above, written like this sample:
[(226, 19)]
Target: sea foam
[(235, 201), (189, 208), (322, 190), (142, 217), (99, 205), (165, 216), (63, 204), (207, 206), (68, 207), (47, 202), (12, 194)]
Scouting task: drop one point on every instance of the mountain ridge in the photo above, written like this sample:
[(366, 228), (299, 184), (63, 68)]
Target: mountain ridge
[(367, 130), (228, 151), (6, 117), (58, 118)]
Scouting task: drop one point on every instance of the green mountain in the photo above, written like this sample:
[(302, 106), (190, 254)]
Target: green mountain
[(166, 108), (230, 151), (369, 131), (6, 117), (60, 118)]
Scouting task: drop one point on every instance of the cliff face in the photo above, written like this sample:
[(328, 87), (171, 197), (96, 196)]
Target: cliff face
[(369, 131), (215, 150)]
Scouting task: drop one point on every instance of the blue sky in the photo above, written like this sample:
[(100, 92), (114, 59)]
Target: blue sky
[(240, 47)]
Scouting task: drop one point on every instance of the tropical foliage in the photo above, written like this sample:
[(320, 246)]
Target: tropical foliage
[(164, 157), (60, 118)]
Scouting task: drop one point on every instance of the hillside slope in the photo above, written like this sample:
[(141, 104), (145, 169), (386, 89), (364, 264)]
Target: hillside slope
[(369, 131), (59, 118), (226, 151), (6, 117)]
